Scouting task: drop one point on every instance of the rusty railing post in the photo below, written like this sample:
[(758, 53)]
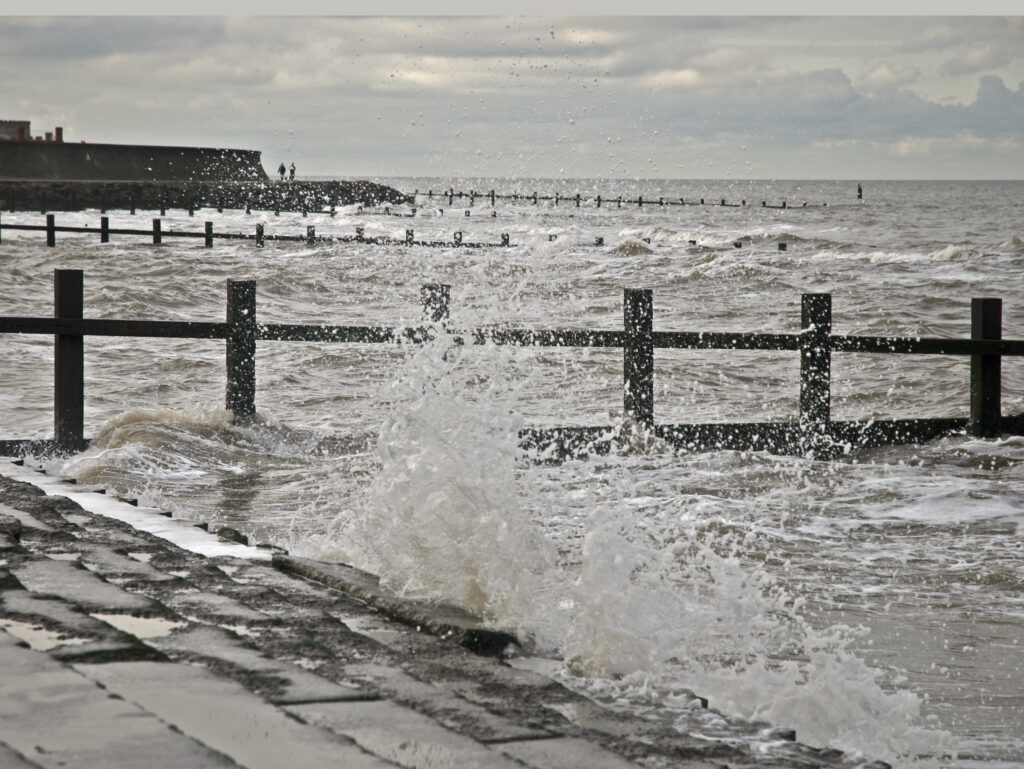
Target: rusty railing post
[(68, 365), (240, 394), (986, 370), (815, 360), (638, 356), (436, 299)]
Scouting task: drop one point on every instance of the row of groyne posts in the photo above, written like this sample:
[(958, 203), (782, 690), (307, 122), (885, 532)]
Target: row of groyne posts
[(598, 200), (158, 233), (813, 434)]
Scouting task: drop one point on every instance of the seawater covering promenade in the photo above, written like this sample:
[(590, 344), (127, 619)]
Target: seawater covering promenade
[(120, 648)]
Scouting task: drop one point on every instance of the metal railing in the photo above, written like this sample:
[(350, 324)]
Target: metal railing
[(158, 233), (813, 433)]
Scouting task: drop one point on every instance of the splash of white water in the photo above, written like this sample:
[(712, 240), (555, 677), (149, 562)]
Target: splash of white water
[(673, 603), (653, 598), (442, 518)]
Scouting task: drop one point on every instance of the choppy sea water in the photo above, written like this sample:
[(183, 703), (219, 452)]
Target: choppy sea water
[(874, 603)]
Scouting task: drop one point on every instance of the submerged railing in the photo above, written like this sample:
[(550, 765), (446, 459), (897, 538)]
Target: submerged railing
[(639, 201), (814, 433), (158, 233)]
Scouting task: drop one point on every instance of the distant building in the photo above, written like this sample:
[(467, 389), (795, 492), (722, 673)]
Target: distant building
[(21, 131), (18, 130)]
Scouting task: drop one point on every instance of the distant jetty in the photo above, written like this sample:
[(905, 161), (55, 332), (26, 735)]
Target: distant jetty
[(48, 174)]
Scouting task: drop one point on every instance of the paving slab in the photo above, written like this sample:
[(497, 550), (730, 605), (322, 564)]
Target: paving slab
[(402, 735), (52, 612), (564, 752), (289, 683), (11, 759), (27, 520), (445, 706), (10, 532), (213, 606), (65, 631), (443, 620), (62, 720), (74, 583), (228, 718), (105, 560)]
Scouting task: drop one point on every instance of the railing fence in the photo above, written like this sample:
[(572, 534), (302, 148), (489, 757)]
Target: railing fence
[(578, 199), (158, 233), (814, 433)]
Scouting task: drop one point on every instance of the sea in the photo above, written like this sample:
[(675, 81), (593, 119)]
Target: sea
[(873, 602)]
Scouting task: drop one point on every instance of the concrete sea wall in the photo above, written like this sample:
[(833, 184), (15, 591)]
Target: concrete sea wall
[(117, 162)]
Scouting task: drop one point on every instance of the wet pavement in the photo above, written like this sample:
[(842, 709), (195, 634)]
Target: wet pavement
[(118, 648)]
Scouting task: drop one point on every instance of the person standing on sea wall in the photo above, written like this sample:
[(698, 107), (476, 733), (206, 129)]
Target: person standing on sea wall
[(280, 170), (291, 173)]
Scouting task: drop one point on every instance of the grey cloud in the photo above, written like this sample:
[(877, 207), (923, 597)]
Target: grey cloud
[(70, 38), (885, 76), (997, 111), (824, 105), (977, 59), (932, 37), (415, 94)]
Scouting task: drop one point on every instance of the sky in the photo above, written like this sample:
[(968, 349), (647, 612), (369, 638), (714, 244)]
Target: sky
[(648, 96)]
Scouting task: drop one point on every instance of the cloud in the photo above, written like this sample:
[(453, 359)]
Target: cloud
[(997, 111), (408, 93), (77, 38), (977, 59), (727, 59), (886, 76), (912, 147), (671, 79), (932, 37)]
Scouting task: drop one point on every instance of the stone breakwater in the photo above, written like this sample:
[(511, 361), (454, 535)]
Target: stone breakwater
[(110, 635), (298, 196)]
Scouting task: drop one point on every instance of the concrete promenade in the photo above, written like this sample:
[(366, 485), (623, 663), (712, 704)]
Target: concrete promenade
[(121, 649)]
